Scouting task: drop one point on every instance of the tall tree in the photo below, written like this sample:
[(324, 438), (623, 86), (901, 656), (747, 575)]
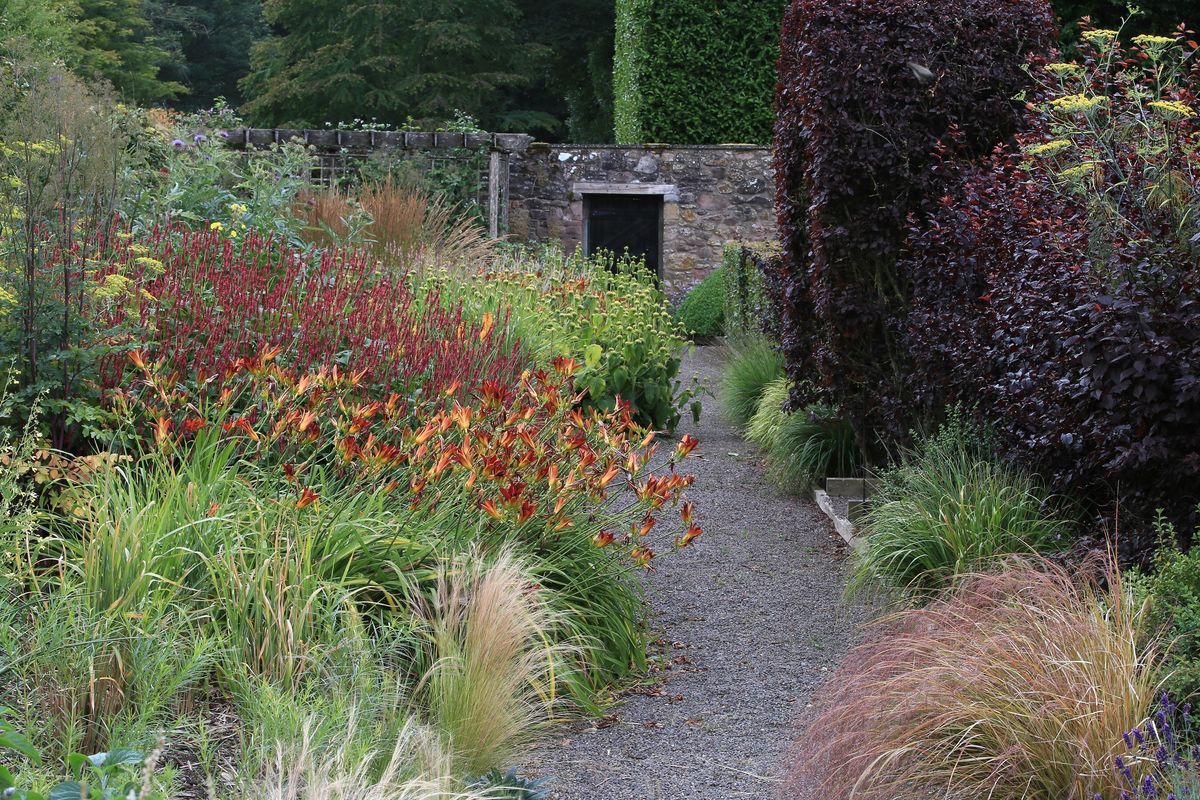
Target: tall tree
[(114, 40), (386, 59), (572, 87)]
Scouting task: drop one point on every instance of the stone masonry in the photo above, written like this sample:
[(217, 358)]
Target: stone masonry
[(711, 195)]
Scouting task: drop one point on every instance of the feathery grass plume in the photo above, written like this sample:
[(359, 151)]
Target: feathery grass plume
[(405, 229), (1016, 686), (950, 508), (496, 671), (754, 365), (769, 418), (417, 768), (810, 445)]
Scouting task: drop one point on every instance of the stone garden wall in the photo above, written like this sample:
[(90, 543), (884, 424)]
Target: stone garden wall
[(534, 192), (711, 195)]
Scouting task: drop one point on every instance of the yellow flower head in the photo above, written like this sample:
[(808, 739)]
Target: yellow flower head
[(151, 265), (1049, 148), (1172, 108), (216, 226), (233, 233), (1080, 171), (1148, 40), (1062, 68), (113, 285), (1100, 36), (1073, 103)]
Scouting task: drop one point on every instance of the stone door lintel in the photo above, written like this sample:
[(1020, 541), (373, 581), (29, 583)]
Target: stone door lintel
[(669, 192)]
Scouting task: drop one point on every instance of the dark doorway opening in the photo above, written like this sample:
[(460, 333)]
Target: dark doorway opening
[(618, 222)]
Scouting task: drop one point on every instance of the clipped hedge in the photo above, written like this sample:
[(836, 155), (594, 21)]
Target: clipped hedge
[(868, 91), (702, 312), (695, 71), (749, 310)]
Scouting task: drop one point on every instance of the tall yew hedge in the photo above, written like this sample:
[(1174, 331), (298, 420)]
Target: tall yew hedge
[(868, 90), (695, 71)]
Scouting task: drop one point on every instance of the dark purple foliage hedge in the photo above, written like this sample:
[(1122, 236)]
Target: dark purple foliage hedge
[(867, 90), (1059, 295)]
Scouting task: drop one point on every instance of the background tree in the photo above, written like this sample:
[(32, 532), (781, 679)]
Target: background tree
[(391, 61), (114, 40), (572, 85)]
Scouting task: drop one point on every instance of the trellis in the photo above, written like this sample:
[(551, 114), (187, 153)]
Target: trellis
[(340, 153)]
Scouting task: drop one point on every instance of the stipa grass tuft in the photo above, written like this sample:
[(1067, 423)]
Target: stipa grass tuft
[(753, 366), (1017, 686), (496, 671), (417, 768)]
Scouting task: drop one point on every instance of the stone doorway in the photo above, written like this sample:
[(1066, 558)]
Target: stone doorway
[(616, 223)]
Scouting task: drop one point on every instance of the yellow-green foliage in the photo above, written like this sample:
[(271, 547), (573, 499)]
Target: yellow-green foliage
[(611, 319), (765, 425)]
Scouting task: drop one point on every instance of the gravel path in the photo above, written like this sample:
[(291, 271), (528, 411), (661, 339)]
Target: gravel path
[(752, 620)]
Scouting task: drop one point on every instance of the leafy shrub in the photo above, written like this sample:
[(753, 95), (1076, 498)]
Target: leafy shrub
[(1016, 686), (1057, 286), (748, 307), (199, 180), (511, 786), (1172, 587), (611, 319), (702, 312), (949, 509), (753, 365), (671, 75), (64, 164), (866, 91)]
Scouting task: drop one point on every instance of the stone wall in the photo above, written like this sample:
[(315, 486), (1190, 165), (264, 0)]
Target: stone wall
[(711, 195)]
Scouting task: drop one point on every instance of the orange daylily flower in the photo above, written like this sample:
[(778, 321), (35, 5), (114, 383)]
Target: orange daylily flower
[(307, 498)]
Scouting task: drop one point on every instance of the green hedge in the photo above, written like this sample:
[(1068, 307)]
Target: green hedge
[(703, 310), (695, 71), (748, 307)]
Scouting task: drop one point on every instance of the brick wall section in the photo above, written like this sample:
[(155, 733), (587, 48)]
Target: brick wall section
[(712, 195)]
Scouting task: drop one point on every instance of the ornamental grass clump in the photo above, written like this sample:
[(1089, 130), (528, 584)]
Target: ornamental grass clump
[(1017, 685), (496, 672), (753, 365), (948, 509)]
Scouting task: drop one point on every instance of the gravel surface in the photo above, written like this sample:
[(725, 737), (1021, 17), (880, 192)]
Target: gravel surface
[(752, 621)]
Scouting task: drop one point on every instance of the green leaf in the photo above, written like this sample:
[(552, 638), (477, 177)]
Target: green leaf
[(12, 740), (592, 354), (69, 790), (121, 757)]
